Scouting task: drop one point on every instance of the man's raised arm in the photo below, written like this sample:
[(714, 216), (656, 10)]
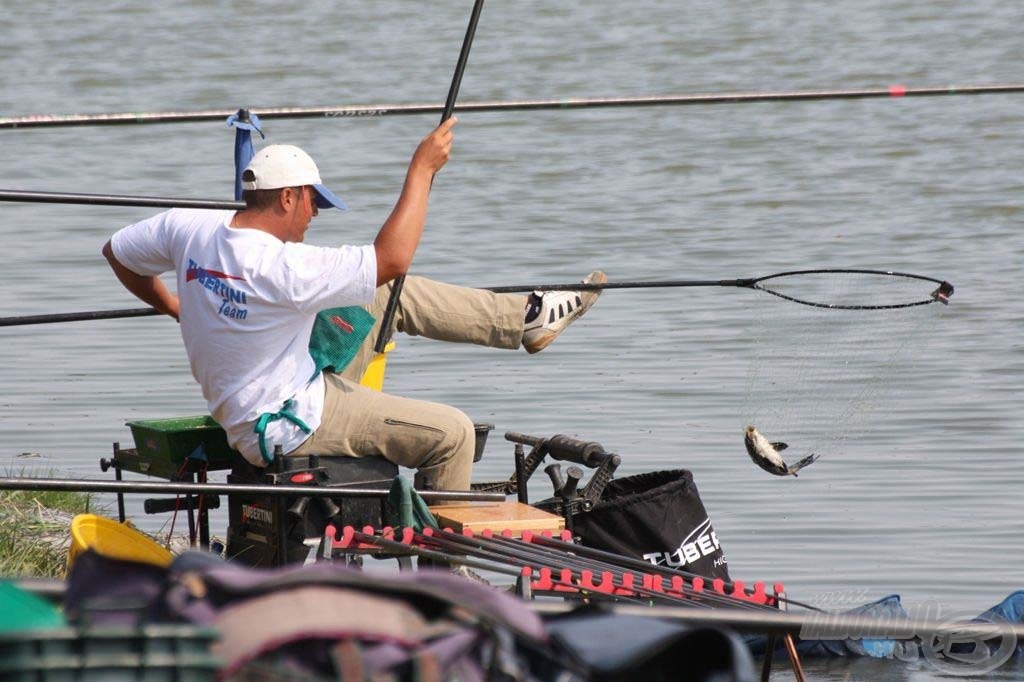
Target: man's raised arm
[(148, 289)]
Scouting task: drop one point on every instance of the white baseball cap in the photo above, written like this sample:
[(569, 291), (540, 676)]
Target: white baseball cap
[(284, 165)]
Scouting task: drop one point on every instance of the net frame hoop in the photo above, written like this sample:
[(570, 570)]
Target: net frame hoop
[(756, 284)]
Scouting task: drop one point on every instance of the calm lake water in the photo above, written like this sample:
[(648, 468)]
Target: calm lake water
[(918, 413)]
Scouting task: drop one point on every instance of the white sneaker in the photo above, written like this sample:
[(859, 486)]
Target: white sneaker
[(558, 310)]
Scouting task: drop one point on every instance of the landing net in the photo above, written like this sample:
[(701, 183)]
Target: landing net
[(835, 371)]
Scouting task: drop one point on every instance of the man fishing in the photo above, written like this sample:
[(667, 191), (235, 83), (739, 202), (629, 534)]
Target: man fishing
[(249, 291)]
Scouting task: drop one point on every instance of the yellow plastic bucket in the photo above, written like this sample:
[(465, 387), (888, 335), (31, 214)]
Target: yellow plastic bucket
[(373, 377), (114, 540)]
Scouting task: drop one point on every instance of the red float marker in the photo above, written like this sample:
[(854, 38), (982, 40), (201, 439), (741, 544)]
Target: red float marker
[(897, 90)]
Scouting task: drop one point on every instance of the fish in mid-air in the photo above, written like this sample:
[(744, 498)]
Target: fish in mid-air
[(766, 454)]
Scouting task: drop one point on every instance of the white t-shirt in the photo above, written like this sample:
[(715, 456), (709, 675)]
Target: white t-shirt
[(248, 302)]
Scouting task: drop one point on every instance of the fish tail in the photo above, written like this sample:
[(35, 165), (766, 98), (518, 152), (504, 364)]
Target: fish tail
[(810, 459)]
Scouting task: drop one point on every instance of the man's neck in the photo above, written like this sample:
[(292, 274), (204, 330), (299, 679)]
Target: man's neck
[(254, 219)]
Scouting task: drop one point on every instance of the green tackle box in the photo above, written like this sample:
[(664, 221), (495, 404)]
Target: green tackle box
[(162, 446)]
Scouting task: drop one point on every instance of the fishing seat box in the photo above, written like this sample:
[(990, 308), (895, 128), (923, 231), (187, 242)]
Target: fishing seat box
[(259, 524), (175, 448)]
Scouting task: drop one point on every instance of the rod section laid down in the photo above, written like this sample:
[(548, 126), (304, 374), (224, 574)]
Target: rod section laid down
[(436, 555), (149, 487), (378, 110), (815, 625)]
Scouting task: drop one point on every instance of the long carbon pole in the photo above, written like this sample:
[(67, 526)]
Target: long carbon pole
[(815, 625), (449, 106), (571, 286), (149, 488), (743, 283), (379, 110), (23, 320), (116, 200)]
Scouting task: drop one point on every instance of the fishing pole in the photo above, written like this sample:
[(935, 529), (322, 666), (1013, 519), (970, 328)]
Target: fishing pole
[(458, 547), (150, 487), (378, 110), (78, 317), (567, 568), (600, 563), (817, 625), (638, 565), (785, 285), (117, 200), (535, 555), (818, 288), (434, 555), (564, 575), (384, 335)]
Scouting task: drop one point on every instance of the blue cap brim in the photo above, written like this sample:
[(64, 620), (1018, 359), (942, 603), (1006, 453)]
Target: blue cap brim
[(325, 198)]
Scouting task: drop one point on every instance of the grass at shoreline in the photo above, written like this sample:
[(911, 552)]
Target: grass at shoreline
[(35, 531)]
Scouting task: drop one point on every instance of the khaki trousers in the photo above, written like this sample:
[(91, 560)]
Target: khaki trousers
[(437, 439)]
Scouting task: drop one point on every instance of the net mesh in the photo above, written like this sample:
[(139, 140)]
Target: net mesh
[(818, 375)]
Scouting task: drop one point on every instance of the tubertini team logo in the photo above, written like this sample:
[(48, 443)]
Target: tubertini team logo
[(232, 300), (253, 513)]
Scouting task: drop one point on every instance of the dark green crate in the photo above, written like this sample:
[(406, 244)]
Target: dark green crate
[(162, 445), (175, 653)]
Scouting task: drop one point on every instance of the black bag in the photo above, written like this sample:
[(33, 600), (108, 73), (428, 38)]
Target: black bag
[(616, 647), (657, 517)]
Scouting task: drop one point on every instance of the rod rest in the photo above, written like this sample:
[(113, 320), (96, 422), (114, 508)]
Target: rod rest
[(587, 453)]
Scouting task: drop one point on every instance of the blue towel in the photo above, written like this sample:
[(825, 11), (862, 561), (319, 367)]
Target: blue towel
[(244, 123)]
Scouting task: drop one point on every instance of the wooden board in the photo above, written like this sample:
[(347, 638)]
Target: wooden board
[(496, 516)]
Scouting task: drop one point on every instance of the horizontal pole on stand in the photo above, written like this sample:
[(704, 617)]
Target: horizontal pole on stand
[(147, 487)]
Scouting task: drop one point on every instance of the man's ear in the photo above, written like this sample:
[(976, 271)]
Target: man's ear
[(288, 198)]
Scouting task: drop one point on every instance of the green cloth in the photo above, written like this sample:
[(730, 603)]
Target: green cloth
[(261, 426), (337, 335), (23, 611), (406, 509)]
